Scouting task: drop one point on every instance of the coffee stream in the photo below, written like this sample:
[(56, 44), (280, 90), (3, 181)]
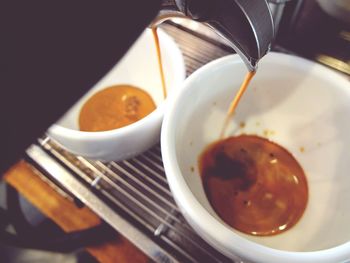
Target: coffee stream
[(231, 111), (160, 61)]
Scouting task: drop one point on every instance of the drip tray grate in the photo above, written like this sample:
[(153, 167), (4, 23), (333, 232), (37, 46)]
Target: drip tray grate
[(133, 195)]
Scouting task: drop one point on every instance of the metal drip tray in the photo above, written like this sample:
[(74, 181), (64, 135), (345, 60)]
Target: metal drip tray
[(133, 195)]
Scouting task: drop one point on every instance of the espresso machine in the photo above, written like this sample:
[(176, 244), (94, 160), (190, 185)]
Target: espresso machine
[(52, 52)]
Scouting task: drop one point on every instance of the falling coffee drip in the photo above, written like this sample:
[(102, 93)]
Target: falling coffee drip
[(154, 26), (235, 101), (253, 184), (160, 60)]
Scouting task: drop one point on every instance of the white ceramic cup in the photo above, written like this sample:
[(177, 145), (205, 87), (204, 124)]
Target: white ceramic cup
[(298, 104), (139, 67)]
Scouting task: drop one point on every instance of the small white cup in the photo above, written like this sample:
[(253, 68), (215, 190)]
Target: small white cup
[(139, 67), (298, 104)]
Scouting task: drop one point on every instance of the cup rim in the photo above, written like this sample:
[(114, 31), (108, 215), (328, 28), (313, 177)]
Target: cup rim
[(218, 234)]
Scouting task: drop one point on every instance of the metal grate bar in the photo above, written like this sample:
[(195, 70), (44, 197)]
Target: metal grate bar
[(159, 187), (155, 156), (120, 204), (179, 249), (61, 158), (153, 162), (145, 169), (117, 175)]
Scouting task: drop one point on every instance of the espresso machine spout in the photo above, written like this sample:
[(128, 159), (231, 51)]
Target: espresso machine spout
[(247, 25)]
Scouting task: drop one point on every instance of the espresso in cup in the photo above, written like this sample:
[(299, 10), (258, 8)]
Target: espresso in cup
[(115, 107), (254, 185)]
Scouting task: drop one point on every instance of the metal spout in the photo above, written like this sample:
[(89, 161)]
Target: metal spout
[(247, 25)]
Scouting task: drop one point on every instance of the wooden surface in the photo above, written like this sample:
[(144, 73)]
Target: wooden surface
[(64, 213)]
